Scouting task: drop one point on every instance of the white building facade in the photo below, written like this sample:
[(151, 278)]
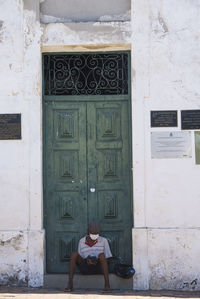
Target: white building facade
[(163, 39)]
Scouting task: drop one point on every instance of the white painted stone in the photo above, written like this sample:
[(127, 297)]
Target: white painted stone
[(84, 10), (170, 186), (166, 193), (86, 33), (36, 257), (165, 76), (140, 94), (166, 259), (13, 258), (20, 160), (140, 259)]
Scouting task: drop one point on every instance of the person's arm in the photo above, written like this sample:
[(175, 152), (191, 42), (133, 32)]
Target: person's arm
[(79, 247), (107, 251)]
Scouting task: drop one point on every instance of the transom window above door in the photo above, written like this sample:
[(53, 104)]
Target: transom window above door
[(86, 74)]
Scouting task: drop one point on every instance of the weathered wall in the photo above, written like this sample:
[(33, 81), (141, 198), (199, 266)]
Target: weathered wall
[(165, 75), (21, 228), (85, 34), (165, 69), (20, 160), (85, 10)]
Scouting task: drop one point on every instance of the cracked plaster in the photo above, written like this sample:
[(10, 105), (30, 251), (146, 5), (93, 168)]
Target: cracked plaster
[(165, 75)]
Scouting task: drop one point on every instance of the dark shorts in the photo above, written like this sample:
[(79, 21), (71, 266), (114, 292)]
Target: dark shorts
[(86, 269)]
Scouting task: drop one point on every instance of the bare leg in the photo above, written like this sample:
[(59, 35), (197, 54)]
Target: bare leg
[(75, 258), (104, 267)]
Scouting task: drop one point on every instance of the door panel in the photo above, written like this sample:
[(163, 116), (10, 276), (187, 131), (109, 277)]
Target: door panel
[(65, 181), (109, 173), (87, 178)]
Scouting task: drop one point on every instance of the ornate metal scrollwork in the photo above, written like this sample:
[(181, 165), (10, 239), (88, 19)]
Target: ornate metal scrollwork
[(86, 74)]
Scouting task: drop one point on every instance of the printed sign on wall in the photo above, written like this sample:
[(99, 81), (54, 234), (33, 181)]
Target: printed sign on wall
[(171, 145)]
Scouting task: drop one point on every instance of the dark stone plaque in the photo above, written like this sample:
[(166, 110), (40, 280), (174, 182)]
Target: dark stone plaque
[(164, 118), (10, 126), (190, 119)]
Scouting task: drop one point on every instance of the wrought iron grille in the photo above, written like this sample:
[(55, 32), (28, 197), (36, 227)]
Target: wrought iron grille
[(86, 74)]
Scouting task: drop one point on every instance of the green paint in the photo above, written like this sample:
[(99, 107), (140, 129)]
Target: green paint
[(87, 144), (197, 147)]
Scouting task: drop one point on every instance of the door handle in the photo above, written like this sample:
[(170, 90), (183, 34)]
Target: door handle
[(92, 190)]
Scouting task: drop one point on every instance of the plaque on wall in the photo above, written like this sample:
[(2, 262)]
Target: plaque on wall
[(171, 145), (10, 126), (165, 118), (190, 119)]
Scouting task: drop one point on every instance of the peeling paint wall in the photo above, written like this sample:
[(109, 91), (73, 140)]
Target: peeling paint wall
[(86, 33), (166, 259), (13, 258), (164, 35), (20, 160), (85, 10), (21, 37), (165, 68)]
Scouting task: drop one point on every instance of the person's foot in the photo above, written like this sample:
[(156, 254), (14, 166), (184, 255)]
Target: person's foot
[(106, 289), (69, 288)]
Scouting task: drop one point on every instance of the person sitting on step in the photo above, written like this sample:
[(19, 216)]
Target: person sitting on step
[(92, 256)]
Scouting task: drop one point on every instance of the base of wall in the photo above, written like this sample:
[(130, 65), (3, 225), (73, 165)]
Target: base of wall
[(87, 281), (163, 258), (22, 258), (166, 259)]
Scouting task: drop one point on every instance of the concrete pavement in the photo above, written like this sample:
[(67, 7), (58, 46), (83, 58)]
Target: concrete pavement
[(40, 293)]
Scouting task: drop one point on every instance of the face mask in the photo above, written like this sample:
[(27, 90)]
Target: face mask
[(94, 237)]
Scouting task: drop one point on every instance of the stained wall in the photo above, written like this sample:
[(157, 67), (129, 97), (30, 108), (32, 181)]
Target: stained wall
[(163, 37), (21, 229), (165, 69), (84, 10)]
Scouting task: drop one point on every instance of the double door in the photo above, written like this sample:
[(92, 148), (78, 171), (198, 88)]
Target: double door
[(87, 177)]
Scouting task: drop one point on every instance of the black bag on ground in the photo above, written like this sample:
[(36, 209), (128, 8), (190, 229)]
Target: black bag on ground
[(124, 270)]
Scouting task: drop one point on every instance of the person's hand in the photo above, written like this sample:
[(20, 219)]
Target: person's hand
[(92, 260)]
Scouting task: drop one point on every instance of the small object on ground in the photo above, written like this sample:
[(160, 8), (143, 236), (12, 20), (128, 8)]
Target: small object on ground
[(124, 270)]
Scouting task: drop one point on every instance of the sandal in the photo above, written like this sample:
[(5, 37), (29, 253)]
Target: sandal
[(68, 290)]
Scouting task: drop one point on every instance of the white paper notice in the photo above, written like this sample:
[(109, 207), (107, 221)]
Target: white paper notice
[(171, 145)]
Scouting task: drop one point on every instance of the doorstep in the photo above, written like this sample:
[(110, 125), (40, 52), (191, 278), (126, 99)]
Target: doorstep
[(87, 281)]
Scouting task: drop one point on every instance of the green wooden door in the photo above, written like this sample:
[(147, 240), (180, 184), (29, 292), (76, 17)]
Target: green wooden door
[(65, 181), (87, 177), (109, 167), (87, 153)]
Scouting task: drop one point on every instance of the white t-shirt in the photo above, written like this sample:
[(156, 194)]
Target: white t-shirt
[(101, 246)]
